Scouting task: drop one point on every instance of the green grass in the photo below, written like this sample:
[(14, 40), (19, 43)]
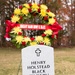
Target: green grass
[(10, 59), (65, 61)]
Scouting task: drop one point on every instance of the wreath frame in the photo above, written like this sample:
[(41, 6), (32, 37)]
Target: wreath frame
[(28, 11)]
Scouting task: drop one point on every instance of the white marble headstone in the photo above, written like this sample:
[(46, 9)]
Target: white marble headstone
[(38, 60)]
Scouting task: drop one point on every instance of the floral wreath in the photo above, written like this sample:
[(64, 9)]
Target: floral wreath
[(14, 32)]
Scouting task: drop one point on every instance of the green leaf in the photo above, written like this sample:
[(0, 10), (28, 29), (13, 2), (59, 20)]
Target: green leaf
[(18, 45), (13, 40)]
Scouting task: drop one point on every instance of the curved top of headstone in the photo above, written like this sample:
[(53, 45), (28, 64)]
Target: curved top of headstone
[(37, 46)]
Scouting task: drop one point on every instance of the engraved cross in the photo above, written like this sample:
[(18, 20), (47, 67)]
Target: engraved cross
[(38, 51)]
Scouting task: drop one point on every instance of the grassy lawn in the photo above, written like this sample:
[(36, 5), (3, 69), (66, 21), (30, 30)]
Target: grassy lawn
[(64, 61)]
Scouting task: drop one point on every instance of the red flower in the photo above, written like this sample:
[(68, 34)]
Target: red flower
[(12, 15), (30, 10), (32, 39), (23, 43), (34, 14), (41, 43), (30, 4), (20, 33), (39, 10), (39, 5), (43, 35), (20, 7), (48, 10), (21, 17), (46, 18), (52, 36)]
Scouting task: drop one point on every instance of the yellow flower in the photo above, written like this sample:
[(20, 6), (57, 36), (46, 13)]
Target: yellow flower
[(39, 39), (15, 18), (47, 41), (43, 6), (26, 5), (51, 21), (19, 39), (26, 39), (33, 43), (35, 6), (25, 11), (17, 11), (43, 12), (48, 32), (16, 30), (51, 14)]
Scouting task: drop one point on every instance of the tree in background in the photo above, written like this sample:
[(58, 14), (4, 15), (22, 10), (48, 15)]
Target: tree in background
[(67, 19), (6, 9), (72, 23)]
